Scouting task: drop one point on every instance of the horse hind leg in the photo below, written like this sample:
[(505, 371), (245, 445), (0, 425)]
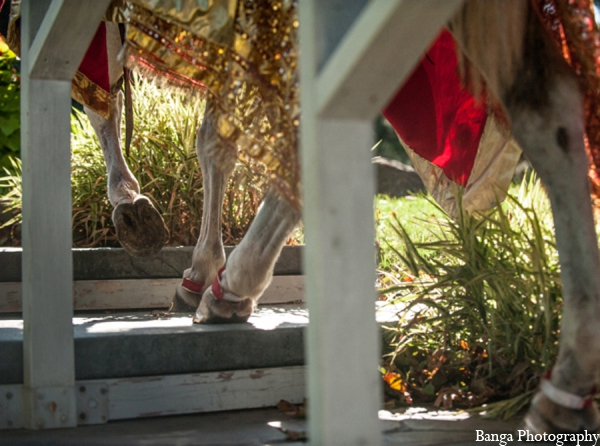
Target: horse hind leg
[(546, 109), (216, 163)]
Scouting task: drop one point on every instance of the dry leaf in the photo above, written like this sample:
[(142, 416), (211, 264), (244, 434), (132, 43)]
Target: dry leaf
[(394, 380), (292, 409)]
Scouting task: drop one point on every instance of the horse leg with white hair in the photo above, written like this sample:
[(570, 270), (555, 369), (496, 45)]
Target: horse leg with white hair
[(218, 294), (544, 103), (142, 232), (140, 228), (235, 291), (216, 163)]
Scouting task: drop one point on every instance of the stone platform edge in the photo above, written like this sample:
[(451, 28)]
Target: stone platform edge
[(115, 263)]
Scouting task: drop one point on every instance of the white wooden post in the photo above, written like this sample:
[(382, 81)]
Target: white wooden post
[(338, 106), (54, 38)]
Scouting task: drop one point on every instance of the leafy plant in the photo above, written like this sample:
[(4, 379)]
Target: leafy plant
[(163, 159), (478, 305), (10, 133)]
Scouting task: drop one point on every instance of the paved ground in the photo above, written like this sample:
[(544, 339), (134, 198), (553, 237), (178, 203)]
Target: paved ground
[(418, 427)]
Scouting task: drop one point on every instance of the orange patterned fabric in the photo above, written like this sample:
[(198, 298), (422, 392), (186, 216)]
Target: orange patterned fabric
[(573, 27), (91, 85), (246, 63)]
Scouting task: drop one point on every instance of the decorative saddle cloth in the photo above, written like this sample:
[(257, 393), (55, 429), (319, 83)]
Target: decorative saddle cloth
[(243, 55), (456, 146)]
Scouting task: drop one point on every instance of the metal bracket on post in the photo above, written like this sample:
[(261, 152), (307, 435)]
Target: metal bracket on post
[(92, 403), (51, 407), (11, 407)]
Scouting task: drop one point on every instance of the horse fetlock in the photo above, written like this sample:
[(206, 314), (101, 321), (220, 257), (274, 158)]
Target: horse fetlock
[(206, 262), (545, 416), (575, 367), (248, 279), (121, 190)]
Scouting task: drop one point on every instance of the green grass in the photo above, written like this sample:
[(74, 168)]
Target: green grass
[(418, 214), (478, 301)]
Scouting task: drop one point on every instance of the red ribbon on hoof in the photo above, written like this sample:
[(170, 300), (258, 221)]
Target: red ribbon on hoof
[(216, 285), (191, 286)]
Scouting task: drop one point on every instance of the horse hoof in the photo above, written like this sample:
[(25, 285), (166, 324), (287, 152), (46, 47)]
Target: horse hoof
[(213, 311), (185, 301), (140, 228), (545, 416), (216, 319)]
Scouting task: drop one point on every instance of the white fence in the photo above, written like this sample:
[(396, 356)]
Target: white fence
[(339, 102)]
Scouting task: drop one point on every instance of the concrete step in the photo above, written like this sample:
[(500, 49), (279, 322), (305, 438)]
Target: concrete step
[(153, 363), (115, 263), (121, 345), (151, 343)]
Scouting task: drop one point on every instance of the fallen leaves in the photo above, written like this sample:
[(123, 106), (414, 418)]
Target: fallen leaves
[(288, 408), (296, 410), (394, 380)]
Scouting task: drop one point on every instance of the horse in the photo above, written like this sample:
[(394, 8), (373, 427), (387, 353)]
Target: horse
[(506, 50)]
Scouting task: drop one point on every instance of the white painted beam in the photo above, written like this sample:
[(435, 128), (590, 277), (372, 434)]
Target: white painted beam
[(48, 350), (99, 401), (47, 262), (63, 38), (339, 265), (338, 105), (378, 52), (204, 392), (343, 339)]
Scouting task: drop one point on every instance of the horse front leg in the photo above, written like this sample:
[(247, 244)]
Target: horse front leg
[(235, 291), (216, 163), (546, 109), (140, 228)]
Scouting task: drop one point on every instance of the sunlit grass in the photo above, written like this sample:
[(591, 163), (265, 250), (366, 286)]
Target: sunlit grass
[(418, 214), (478, 299)]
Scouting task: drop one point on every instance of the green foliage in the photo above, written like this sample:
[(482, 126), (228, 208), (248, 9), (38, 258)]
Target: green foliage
[(478, 303), (12, 199), (163, 159), (416, 213), (10, 127)]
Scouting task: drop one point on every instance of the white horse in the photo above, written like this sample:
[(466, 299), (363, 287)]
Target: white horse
[(504, 46)]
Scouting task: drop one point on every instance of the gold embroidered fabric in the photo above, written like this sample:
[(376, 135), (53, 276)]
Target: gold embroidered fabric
[(243, 56), (83, 90), (210, 19), (572, 25), (90, 94)]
